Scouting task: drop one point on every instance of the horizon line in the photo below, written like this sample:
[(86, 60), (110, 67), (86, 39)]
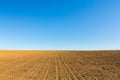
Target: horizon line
[(59, 50)]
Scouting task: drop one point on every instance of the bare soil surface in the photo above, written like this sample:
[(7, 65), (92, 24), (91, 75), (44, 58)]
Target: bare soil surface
[(60, 65)]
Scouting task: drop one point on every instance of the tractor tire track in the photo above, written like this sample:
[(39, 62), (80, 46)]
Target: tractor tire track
[(30, 70), (69, 69), (47, 69), (37, 69), (63, 67), (74, 70), (57, 73), (43, 69)]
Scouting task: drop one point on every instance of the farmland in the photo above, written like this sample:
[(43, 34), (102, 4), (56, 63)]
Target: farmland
[(59, 65)]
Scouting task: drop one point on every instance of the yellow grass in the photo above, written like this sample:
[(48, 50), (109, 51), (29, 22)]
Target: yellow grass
[(59, 65)]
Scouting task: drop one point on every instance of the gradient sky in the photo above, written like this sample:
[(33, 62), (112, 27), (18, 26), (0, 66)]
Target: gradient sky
[(60, 24)]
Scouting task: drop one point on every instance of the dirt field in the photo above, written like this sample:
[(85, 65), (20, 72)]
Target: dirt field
[(59, 65)]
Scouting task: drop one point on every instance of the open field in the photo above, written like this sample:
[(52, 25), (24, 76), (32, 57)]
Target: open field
[(59, 65)]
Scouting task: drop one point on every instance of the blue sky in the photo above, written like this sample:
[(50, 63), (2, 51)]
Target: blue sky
[(60, 24)]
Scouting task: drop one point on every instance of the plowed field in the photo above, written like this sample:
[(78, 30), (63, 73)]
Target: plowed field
[(59, 65)]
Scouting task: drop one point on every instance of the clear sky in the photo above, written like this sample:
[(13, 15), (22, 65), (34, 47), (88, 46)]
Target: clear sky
[(60, 24)]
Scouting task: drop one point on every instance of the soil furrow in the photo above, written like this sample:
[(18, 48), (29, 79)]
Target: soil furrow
[(47, 70), (66, 71), (74, 70), (67, 67), (30, 71), (57, 73)]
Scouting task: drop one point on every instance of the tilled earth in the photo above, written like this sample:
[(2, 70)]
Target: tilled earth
[(59, 65)]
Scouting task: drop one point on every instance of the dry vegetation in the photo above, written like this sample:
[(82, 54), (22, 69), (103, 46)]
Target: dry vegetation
[(59, 65)]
